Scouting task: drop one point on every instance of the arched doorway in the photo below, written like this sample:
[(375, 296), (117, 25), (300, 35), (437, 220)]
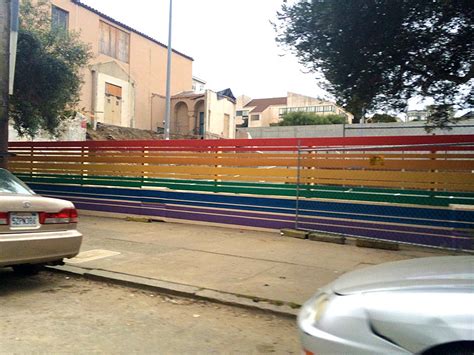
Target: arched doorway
[(181, 121)]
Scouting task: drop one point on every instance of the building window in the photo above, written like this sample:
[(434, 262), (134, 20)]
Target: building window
[(114, 42), (254, 117), (312, 109), (59, 18), (113, 90), (242, 113)]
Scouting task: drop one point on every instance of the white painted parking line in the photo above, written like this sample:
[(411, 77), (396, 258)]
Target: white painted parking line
[(91, 255)]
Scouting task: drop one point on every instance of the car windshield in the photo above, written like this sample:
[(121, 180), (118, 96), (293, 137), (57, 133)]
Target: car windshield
[(11, 185)]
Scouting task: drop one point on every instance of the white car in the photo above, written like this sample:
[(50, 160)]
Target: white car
[(419, 306), (34, 230)]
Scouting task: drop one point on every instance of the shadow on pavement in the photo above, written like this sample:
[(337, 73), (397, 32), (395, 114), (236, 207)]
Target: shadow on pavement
[(11, 282)]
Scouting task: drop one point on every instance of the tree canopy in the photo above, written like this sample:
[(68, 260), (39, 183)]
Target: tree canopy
[(309, 118), (47, 76), (377, 54), (383, 118)]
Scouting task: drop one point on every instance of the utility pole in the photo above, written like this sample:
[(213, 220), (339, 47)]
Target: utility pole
[(4, 78), (168, 78)]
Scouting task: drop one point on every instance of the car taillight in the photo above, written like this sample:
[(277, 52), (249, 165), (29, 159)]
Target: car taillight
[(67, 215), (3, 218), (73, 216)]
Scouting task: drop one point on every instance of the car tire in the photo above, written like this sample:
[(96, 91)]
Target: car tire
[(26, 269), (458, 348)]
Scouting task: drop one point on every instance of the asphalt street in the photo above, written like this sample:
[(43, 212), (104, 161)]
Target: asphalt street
[(55, 313)]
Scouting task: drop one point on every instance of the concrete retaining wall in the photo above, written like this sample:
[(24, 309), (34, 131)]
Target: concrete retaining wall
[(72, 130), (353, 130)]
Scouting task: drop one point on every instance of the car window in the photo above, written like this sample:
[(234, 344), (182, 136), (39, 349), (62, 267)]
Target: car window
[(11, 185)]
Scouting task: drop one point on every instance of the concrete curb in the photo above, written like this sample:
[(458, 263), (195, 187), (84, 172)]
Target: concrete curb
[(377, 244), (170, 288), (294, 233), (327, 237)]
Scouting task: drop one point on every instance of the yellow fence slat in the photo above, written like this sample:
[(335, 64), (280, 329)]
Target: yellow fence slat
[(391, 164), (369, 163), (363, 175), (102, 168)]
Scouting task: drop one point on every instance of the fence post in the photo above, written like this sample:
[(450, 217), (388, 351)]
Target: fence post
[(298, 180), (434, 189), (217, 155), (31, 161), (143, 165), (83, 158)]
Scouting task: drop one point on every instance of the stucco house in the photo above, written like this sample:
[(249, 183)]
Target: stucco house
[(125, 83), (204, 115), (267, 111)]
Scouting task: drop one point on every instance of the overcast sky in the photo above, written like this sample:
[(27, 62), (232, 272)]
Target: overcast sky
[(232, 42)]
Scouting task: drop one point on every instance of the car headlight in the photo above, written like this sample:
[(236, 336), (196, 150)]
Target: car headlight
[(314, 309)]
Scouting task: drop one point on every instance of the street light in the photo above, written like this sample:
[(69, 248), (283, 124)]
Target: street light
[(168, 79), (14, 16)]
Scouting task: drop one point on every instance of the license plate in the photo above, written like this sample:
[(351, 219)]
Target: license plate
[(24, 220)]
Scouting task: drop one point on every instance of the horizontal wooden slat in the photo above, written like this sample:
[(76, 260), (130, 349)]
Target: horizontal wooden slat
[(320, 156), (441, 177), (368, 163), (254, 143), (233, 154), (338, 176)]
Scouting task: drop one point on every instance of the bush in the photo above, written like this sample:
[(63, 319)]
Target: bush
[(309, 118), (383, 118)]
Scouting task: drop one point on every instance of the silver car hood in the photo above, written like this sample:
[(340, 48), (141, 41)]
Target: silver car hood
[(444, 272)]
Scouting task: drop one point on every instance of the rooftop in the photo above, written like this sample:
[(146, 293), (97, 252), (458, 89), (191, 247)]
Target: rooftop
[(188, 95), (195, 78), (262, 104), (128, 28)]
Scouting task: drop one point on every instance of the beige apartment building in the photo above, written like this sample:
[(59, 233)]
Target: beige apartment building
[(125, 82), (264, 112)]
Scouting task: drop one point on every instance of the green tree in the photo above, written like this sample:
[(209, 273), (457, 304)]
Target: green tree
[(439, 116), (308, 118), (373, 54), (383, 118), (48, 72)]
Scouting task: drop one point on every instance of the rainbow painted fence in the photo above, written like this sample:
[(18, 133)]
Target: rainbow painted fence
[(417, 189)]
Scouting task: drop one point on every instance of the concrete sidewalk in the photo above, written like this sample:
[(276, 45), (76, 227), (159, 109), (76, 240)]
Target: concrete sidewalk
[(219, 263)]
